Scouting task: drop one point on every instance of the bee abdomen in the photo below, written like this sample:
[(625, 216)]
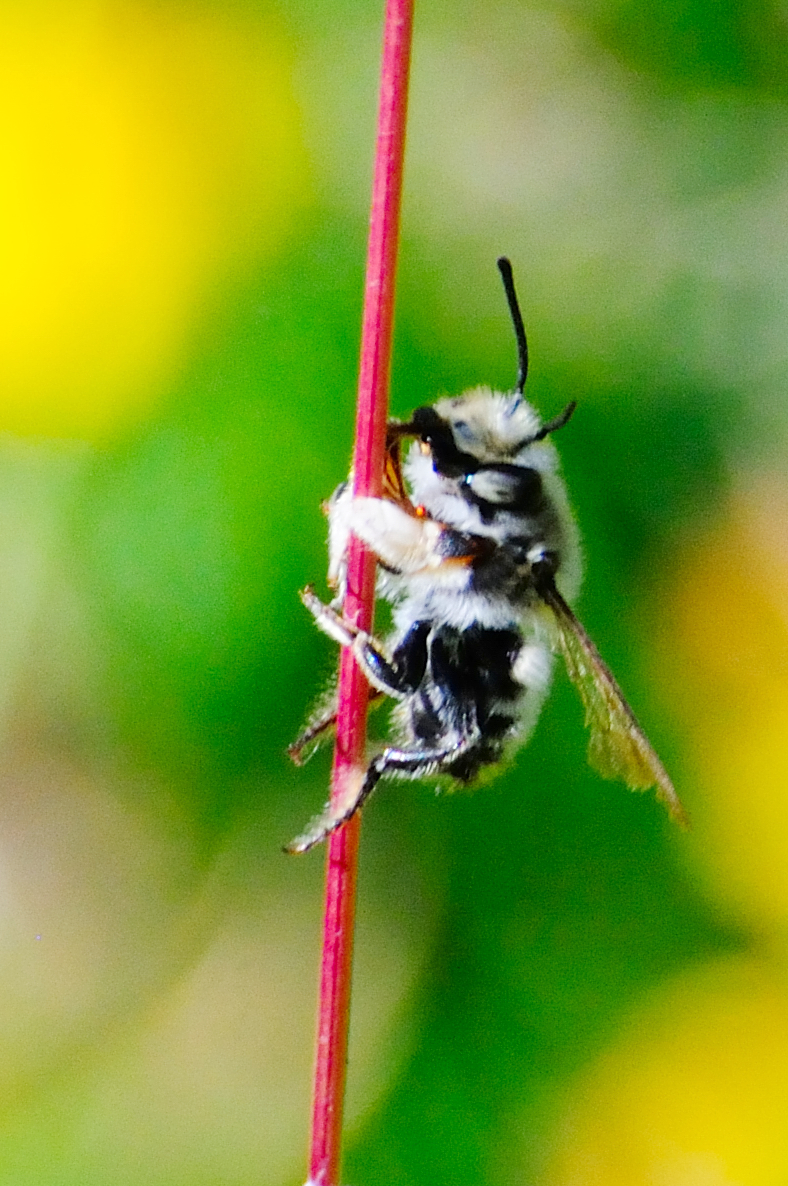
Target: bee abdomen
[(468, 686)]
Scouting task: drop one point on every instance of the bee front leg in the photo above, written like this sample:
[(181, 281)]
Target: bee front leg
[(409, 544)]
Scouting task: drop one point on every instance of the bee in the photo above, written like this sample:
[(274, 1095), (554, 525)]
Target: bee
[(479, 557)]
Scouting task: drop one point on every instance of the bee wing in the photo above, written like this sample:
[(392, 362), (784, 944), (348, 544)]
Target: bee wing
[(394, 487), (618, 747)]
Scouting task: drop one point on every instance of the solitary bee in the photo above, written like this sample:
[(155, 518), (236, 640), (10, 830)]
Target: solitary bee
[(479, 556)]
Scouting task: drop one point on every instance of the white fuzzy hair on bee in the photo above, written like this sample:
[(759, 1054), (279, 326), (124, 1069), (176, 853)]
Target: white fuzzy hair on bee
[(479, 556)]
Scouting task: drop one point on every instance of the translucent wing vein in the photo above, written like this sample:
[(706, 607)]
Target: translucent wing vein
[(617, 747)]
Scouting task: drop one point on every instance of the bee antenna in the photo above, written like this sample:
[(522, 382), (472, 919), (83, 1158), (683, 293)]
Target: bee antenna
[(505, 268), (558, 422)]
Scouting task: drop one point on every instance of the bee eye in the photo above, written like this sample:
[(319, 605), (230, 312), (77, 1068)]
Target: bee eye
[(438, 440), (463, 432), (515, 487)]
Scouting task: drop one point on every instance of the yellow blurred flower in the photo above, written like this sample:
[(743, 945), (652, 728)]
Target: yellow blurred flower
[(146, 150), (727, 622), (695, 1093)]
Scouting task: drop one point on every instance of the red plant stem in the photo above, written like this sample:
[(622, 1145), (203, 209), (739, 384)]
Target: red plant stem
[(377, 330)]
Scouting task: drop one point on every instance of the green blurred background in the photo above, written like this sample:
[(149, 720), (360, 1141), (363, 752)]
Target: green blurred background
[(553, 986)]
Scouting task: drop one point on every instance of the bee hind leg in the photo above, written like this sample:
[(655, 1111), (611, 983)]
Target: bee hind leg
[(403, 762)]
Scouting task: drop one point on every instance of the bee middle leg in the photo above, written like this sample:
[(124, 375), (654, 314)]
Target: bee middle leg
[(319, 726), (397, 675)]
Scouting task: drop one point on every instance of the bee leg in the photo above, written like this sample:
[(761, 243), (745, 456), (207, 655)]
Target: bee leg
[(404, 762), (322, 722), (410, 544), (396, 675), (328, 620), (323, 719), (400, 675)]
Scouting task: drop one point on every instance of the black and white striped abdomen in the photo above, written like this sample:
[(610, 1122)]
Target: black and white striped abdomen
[(471, 687)]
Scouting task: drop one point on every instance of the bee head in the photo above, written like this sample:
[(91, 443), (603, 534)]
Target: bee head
[(478, 444), (480, 441), (480, 428)]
